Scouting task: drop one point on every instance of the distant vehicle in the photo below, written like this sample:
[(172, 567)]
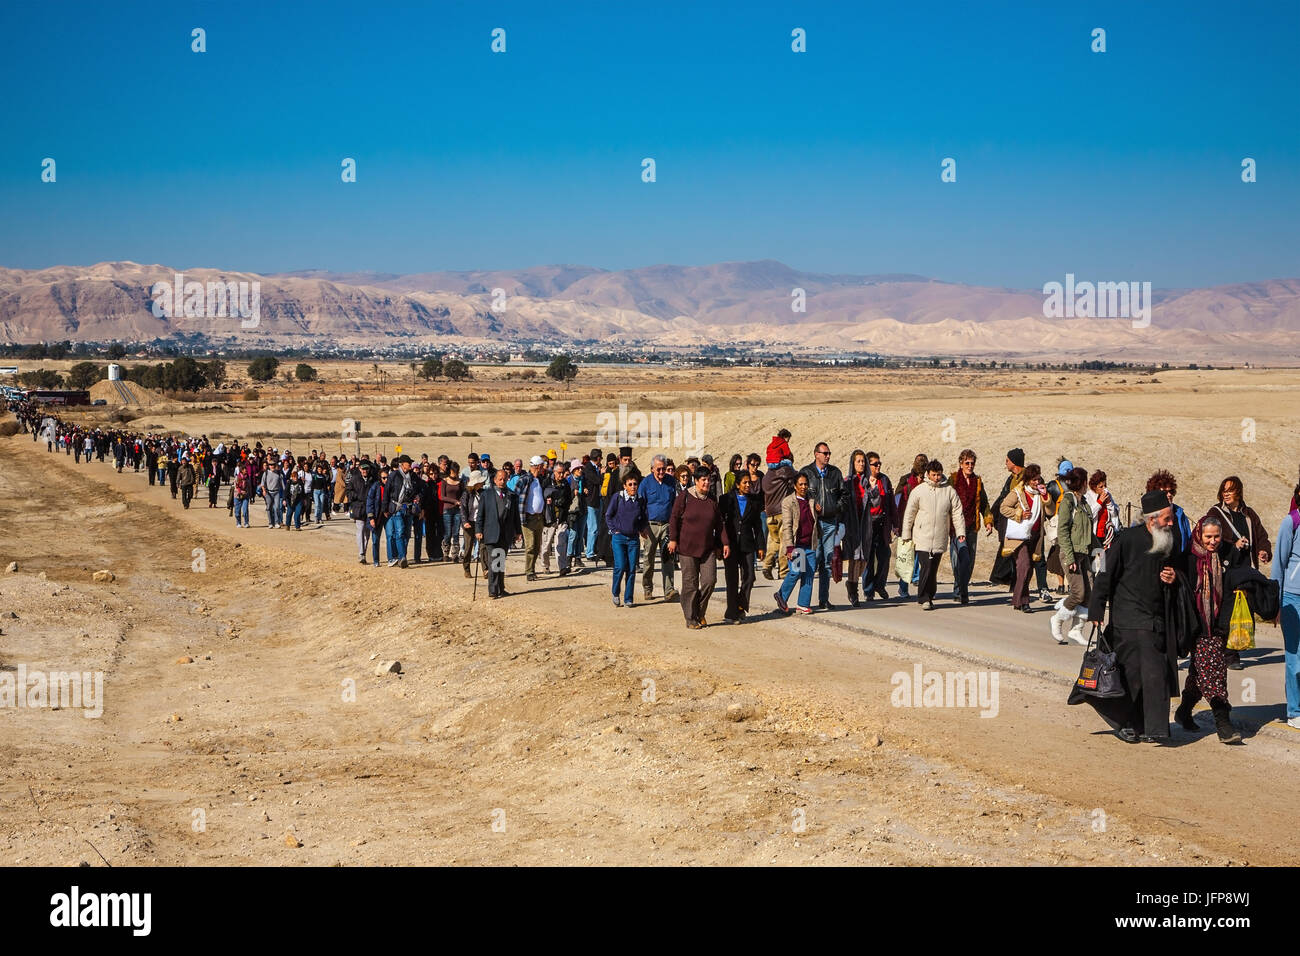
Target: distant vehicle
[(58, 396), (99, 401)]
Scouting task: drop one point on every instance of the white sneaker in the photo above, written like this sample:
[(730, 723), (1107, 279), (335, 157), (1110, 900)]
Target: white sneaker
[(392, 563), (1293, 723)]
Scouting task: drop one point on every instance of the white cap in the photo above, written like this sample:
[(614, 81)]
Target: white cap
[(535, 460)]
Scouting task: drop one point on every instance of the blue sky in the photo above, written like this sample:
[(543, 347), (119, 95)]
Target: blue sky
[(1121, 165)]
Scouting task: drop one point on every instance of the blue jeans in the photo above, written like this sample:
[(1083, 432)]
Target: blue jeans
[(273, 501), (396, 530), (625, 554), (1291, 644), (451, 531), (296, 512), (241, 512), (802, 565), (593, 520), (376, 533), (972, 544), (577, 531), (825, 551), (318, 499)]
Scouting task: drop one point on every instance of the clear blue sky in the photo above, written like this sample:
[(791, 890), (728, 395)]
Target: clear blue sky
[(1122, 165)]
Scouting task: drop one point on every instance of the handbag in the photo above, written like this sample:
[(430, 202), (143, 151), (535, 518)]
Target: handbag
[(904, 559), (1099, 674), (1241, 626), (1019, 530)]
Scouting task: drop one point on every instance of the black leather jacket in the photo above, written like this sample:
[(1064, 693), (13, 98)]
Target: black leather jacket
[(829, 492)]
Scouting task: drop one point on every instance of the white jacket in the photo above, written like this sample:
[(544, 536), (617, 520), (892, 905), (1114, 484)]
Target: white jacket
[(930, 508)]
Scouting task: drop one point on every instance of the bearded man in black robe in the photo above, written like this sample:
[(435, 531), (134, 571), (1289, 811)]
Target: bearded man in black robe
[(1140, 568)]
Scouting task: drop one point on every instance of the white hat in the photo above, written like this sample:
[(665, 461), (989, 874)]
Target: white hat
[(475, 478), (535, 460)]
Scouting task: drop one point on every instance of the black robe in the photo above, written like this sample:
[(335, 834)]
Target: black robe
[(1141, 604)]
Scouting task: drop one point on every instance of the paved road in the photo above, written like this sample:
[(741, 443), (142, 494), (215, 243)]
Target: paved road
[(985, 631)]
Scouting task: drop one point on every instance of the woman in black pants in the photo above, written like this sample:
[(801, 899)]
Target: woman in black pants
[(740, 513)]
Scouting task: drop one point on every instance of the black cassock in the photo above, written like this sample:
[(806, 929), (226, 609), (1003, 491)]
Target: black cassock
[(1148, 621)]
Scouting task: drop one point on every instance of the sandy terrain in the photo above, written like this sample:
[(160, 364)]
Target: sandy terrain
[(538, 706)]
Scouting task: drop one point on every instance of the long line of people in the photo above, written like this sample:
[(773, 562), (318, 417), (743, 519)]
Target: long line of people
[(807, 526)]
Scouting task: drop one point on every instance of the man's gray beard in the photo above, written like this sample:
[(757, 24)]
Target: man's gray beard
[(1162, 541)]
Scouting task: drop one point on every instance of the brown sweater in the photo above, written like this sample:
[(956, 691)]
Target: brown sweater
[(696, 526)]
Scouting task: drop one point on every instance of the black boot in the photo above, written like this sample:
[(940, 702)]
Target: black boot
[(1184, 712), (1228, 734), (853, 593)]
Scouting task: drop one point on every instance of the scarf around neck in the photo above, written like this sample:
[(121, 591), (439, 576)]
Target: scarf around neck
[(1209, 579)]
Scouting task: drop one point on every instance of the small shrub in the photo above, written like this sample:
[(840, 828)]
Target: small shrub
[(251, 395), (9, 428), (494, 430), (442, 434), (469, 434), (412, 434), (387, 434)]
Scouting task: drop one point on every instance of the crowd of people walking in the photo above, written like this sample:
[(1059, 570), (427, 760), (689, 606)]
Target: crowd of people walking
[(1166, 586)]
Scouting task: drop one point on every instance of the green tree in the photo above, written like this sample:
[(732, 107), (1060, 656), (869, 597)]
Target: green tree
[(305, 373), (183, 375), (85, 374), (432, 368), (455, 370), (41, 378), (116, 351), (263, 368), (562, 369), (215, 372)]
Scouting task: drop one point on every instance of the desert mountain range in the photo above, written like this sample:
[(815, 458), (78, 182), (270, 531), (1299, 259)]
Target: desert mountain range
[(664, 306)]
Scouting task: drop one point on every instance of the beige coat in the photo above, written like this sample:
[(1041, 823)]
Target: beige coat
[(929, 509), (790, 515)]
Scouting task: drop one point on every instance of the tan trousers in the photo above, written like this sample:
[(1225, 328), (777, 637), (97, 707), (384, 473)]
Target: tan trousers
[(775, 553)]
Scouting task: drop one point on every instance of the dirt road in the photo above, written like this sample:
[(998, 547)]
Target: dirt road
[(548, 727)]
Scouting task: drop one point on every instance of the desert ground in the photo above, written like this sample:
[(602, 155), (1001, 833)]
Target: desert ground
[(551, 727)]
